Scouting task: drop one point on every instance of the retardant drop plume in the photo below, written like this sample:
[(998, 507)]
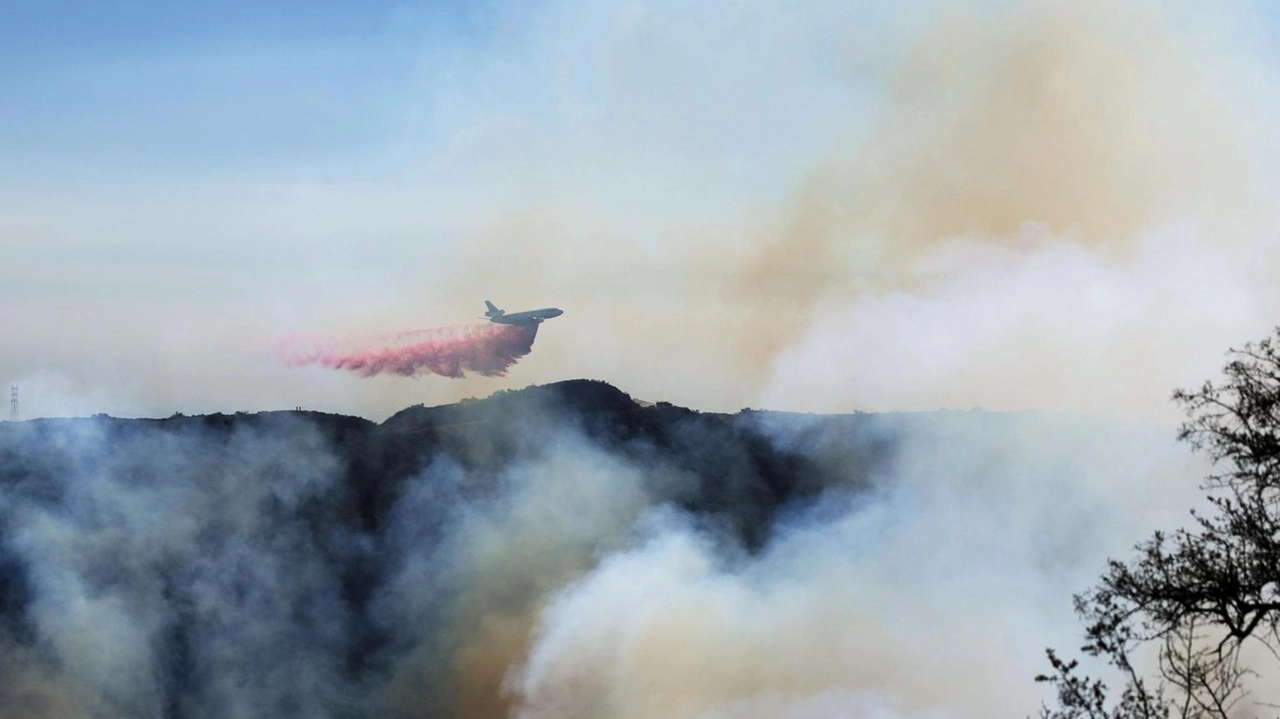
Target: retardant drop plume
[(486, 349)]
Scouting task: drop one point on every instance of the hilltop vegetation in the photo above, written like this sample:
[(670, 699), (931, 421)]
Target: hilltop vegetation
[(309, 564)]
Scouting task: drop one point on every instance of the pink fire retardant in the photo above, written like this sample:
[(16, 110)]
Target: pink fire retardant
[(488, 350)]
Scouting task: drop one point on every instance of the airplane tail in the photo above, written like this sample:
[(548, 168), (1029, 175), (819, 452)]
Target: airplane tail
[(493, 311)]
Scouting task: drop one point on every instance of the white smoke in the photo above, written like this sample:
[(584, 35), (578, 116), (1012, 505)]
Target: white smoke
[(1042, 321), (933, 594)]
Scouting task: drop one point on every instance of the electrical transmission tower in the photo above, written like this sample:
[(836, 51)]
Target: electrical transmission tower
[(13, 403)]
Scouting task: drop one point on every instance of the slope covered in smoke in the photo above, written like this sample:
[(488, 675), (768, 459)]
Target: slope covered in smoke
[(561, 550)]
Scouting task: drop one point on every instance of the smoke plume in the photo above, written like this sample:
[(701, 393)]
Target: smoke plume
[(513, 558), (488, 350)]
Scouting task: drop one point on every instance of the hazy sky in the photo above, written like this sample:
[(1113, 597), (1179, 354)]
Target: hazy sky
[(827, 206)]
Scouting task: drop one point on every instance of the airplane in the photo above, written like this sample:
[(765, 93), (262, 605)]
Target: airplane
[(532, 317)]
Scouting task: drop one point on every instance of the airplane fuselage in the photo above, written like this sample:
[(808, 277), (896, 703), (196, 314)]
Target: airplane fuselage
[(498, 316)]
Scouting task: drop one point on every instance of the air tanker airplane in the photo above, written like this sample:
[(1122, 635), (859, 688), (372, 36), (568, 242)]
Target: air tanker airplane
[(532, 317)]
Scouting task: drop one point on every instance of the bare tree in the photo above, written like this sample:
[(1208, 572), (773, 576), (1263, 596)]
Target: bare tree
[(1196, 596)]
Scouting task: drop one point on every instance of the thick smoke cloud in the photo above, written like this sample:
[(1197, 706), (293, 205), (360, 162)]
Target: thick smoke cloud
[(488, 350), (523, 561), (931, 595), (1045, 187), (171, 573), (468, 594)]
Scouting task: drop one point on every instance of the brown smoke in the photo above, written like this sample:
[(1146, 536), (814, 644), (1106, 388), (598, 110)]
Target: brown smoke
[(32, 690), (1091, 119)]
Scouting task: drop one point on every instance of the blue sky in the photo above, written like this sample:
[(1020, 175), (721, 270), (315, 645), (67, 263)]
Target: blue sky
[(149, 85), (157, 85)]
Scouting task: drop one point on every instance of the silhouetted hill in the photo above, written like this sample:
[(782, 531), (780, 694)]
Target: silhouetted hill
[(233, 554), (742, 473)]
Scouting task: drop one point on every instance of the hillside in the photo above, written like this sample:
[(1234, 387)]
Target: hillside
[(309, 564)]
